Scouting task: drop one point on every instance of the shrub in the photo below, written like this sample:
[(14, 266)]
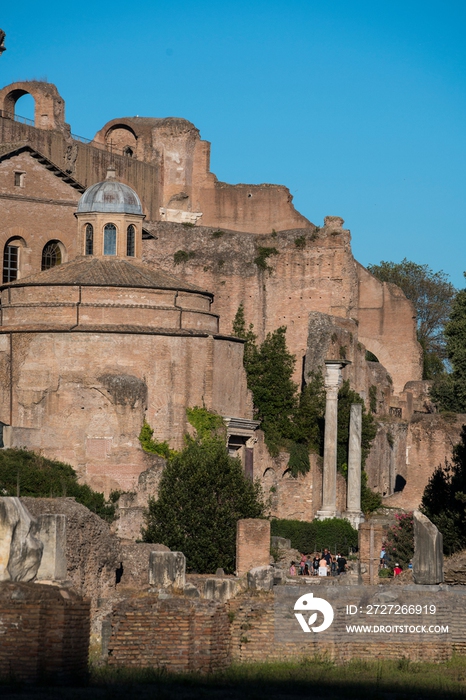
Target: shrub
[(218, 234), (182, 256), (202, 495), (263, 254), (334, 533), (29, 474), (149, 445), (444, 498), (400, 541), (300, 242)]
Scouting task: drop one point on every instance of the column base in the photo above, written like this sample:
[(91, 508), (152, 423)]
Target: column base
[(355, 517), (329, 513)]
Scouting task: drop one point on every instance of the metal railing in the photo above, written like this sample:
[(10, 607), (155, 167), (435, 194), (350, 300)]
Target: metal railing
[(16, 117)]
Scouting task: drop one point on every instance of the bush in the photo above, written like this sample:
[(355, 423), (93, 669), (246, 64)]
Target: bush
[(335, 533), (444, 499), (182, 256), (263, 254), (400, 541), (152, 446), (29, 474), (202, 495)]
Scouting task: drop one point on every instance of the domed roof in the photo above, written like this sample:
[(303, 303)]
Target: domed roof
[(110, 196)]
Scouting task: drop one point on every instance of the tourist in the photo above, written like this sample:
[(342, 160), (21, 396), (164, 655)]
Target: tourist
[(341, 565), (323, 567), (333, 567), (397, 570), (383, 556), (302, 564), (292, 569), (327, 556), (315, 566), (306, 570)]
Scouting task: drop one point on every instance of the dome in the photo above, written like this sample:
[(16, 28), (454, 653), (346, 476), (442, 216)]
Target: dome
[(110, 196)]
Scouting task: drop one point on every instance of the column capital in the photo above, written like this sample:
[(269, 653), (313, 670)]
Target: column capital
[(333, 378)]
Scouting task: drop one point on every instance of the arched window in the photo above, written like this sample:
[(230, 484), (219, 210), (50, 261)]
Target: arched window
[(89, 239), (110, 239), (130, 238), (10, 262), (51, 255)]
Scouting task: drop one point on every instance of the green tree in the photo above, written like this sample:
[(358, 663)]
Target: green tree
[(449, 391), (431, 294), (203, 493), (400, 540), (346, 397), (444, 498)]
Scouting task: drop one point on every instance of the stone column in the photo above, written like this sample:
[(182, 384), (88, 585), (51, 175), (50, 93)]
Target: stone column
[(333, 380), (353, 489)]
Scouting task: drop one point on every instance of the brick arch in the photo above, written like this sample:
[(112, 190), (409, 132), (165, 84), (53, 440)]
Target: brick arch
[(49, 110)]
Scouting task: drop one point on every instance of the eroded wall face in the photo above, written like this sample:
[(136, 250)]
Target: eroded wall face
[(81, 398), (281, 278)]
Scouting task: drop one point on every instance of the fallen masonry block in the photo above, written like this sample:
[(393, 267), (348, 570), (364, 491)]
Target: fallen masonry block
[(428, 551), (52, 534), (20, 546), (167, 569), (220, 589), (261, 578)]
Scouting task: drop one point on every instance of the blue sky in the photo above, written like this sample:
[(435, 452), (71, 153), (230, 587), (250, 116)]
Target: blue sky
[(358, 106)]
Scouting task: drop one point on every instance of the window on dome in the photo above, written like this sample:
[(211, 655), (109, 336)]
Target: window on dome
[(110, 239), (130, 239), (51, 255), (89, 239)]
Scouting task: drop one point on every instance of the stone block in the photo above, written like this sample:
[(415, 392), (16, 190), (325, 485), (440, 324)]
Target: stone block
[(20, 546), (280, 542), (191, 591), (52, 534), (261, 578), (220, 589), (428, 551), (167, 569)]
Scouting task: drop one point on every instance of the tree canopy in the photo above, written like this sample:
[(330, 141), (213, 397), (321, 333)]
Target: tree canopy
[(202, 494), (431, 294), (295, 420), (449, 391), (444, 498)]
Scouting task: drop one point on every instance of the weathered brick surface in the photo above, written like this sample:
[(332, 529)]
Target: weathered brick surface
[(45, 633), (252, 544), (371, 537), (176, 634)]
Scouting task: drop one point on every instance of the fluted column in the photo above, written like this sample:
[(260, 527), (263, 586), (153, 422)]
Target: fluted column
[(353, 490), (333, 380)]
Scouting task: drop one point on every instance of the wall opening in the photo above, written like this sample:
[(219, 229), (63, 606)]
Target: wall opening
[(400, 483), (25, 106)]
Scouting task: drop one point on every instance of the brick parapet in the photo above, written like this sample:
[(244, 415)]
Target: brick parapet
[(45, 633)]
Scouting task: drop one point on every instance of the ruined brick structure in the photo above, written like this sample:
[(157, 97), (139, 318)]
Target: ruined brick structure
[(199, 240)]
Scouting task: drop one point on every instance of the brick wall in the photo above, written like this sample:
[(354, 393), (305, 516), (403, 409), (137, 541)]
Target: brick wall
[(177, 634), (371, 536), (252, 544), (45, 633)]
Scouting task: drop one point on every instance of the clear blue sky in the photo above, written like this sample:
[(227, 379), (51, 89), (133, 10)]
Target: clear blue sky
[(358, 106)]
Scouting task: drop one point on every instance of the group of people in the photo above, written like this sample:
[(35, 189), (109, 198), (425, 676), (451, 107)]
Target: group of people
[(323, 565)]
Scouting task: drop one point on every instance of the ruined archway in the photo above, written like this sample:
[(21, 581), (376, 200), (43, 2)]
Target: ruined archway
[(49, 110), (121, 139)]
